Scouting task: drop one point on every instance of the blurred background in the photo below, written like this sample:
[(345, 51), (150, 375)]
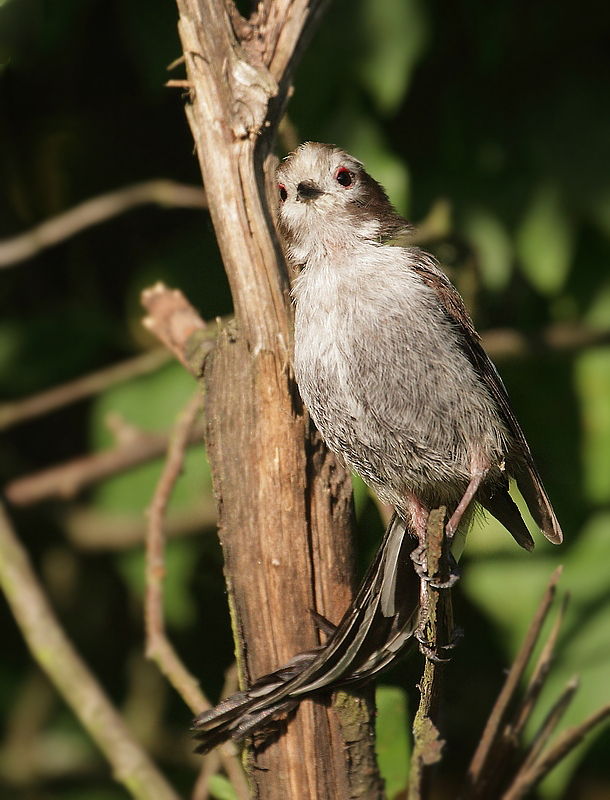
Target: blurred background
[(489, 125)]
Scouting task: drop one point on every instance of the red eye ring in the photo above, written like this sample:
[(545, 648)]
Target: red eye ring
[(283, 192), (344, 177)]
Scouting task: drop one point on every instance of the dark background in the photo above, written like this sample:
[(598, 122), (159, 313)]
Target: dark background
[(495, 117)]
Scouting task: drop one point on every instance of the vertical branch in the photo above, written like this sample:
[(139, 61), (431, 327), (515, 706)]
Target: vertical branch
[(436, 629), (285, 531), (158, 647)]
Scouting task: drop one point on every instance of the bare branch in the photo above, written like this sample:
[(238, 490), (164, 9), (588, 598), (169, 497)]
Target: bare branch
[(568, 740), (176, 323), (510, 343), (21, 410), (498, 748), (436, 627), (93, 530), (538, 678), (548, 727), (93, 212), (483, 755), (54, 652), (158, 646), (64, 481)]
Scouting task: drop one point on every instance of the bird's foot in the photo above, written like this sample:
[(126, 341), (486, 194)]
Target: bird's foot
[(433, 653), (420, 562)]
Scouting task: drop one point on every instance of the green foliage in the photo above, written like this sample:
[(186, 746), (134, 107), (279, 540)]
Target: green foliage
[(221, 789), (150, 403), (593, 385), (393, 742), (179, 604), (493, 247), (394, 36), (545, 241)]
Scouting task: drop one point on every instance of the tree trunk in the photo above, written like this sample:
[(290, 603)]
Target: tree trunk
[(285, 503)]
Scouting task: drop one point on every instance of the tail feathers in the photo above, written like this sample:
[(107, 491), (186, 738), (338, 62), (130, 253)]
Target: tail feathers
[(503, 508), (534, 494), (373, 633)]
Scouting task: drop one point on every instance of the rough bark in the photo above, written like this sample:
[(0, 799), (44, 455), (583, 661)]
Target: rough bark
[(285, 504)]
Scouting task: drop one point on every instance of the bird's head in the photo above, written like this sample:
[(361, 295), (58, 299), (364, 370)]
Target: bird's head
[(326, 199)]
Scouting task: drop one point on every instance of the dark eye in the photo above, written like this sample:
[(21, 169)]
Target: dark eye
[(283, 192), (344, 177)]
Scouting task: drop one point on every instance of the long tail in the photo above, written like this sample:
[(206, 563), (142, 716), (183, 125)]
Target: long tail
[(374, 632)]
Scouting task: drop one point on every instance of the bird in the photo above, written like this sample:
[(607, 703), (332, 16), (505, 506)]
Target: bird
[(395, 378)]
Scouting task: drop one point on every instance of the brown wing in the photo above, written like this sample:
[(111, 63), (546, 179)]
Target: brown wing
[(526, 473)]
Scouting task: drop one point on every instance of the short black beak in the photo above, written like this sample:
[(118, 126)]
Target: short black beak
[(307, 190)]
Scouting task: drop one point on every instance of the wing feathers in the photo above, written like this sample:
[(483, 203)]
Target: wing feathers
[(522, 466)]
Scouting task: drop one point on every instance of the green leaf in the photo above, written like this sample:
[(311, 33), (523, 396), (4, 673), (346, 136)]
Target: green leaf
[(151, 403), (394, 36), (393, 745), (598, 314), (178, 606), (592, 376), (545, 241), (493, 246), (221, 789)]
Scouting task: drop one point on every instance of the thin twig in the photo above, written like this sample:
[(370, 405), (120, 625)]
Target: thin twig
[(64, 481), (549, 725), (18, 411), (540, 767), (500, 709), (177, 83), (510, 343), (437, 628), (568, 740), (539, 675), (508, 742), (176, 323), (158, 646), (56, 655), (97, 531), (93, 212)]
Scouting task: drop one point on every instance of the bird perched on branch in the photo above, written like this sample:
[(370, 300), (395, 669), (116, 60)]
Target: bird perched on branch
[(393, 374)]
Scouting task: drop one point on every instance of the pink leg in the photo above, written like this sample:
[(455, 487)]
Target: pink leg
[(419, 556), (477, 476), (419, 517)]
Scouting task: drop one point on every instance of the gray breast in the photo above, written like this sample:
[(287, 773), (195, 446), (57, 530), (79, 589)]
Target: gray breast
[(390, 388)]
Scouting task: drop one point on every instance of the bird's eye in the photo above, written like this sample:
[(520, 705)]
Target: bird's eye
[(344, 177), (283, 192)]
